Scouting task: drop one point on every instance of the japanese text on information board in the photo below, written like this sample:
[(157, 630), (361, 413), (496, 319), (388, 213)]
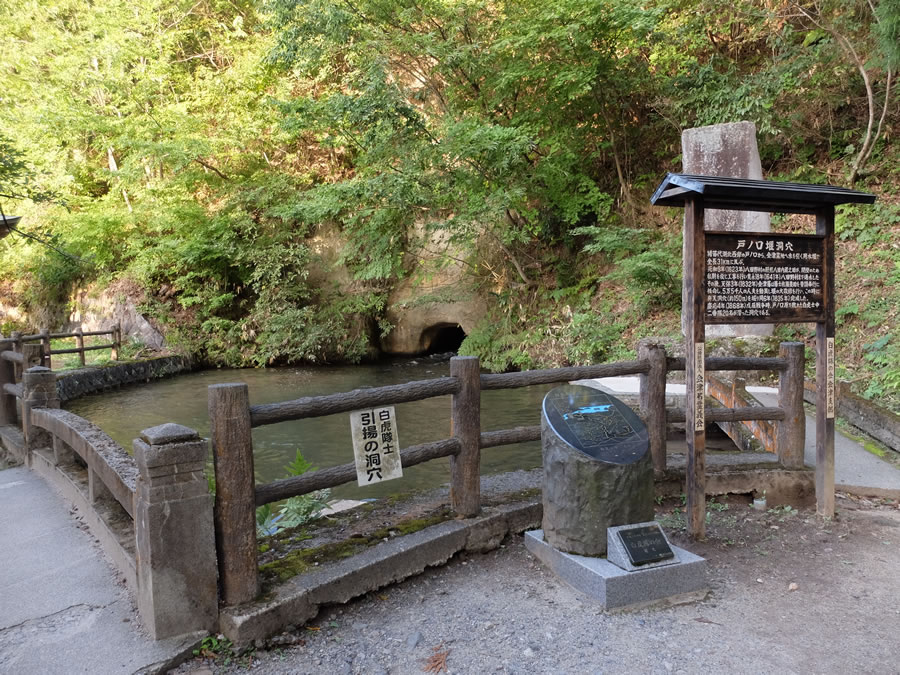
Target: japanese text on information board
[(762, 278)]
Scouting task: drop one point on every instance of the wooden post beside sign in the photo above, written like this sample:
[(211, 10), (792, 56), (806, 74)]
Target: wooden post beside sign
[(756, 277)]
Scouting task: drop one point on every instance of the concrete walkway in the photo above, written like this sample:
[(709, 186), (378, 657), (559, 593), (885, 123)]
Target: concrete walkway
[(856, 470), (62, 607)]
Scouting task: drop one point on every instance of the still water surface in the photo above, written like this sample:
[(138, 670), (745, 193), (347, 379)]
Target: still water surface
[(324, 441)]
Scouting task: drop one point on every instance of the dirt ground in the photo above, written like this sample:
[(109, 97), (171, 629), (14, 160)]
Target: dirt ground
[(789, 593)]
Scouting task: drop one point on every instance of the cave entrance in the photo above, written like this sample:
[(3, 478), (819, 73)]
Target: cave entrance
[(441, 338)]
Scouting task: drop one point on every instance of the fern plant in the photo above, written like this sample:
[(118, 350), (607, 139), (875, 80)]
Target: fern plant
[(296, 510)]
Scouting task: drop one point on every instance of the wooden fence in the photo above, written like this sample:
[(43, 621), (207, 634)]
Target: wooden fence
[(13, 362), (232, 418), (44, 336)]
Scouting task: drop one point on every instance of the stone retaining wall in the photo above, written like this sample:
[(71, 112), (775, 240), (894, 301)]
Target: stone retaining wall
[(74, 383)]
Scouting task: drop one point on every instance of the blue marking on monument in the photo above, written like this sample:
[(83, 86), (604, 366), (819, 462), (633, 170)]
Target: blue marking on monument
[(597, 424)]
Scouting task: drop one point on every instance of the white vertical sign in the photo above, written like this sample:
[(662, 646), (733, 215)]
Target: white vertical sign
[(699, 386), (376, 446), (829, 376)]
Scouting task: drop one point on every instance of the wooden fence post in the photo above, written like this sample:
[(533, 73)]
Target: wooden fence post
[(16, 346), (117, 342), (235, 508), (791, 432), (45, 347), (79, 344), (7, 376), (653, 401), (465, 425), (31, 356), (38, 391)]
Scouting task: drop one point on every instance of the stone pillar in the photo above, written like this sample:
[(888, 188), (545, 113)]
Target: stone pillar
[(38, 391), (727, 150), (597, 469), (173, 520)]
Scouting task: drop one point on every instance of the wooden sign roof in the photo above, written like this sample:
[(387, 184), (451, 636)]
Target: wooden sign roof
[(745, 194)]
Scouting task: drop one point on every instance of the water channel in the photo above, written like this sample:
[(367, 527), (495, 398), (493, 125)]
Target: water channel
[(324, 441)]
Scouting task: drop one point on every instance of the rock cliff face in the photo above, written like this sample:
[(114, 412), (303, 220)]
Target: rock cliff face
[(425, 322), (432, 309), (99, 311), (435, 308)]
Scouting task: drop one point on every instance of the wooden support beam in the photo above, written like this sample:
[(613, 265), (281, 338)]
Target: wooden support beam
[(695, 359), (653, 402), (791, 431), (235, 510), (465, 426), (826, 396)]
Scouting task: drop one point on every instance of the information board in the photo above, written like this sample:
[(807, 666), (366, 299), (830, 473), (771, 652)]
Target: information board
[(764, 278)]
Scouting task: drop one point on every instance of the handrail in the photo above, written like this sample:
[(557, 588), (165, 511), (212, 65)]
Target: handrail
[(338, 475), (528, 378), (732, 363), (319, 406), (19, 342), (110, 463), (13, 357), (56, 336), (13, 389), (83, 349)]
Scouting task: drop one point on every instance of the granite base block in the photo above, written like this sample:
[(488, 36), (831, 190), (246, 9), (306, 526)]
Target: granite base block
[(615, 588)]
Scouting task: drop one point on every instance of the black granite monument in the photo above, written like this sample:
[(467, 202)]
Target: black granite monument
[(597, 468)]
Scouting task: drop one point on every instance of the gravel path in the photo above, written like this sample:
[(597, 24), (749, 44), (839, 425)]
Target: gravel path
[(789, 594)]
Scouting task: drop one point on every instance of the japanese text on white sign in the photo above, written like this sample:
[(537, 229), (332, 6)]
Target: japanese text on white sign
[(376, 446), (829, 384), (699, 386)]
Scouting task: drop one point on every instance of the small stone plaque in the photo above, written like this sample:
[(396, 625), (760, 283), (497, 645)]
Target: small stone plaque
[(645, 544), (596, 423)]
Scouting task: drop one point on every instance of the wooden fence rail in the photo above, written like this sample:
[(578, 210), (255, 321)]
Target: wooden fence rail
[(18, 341), (232, 417)]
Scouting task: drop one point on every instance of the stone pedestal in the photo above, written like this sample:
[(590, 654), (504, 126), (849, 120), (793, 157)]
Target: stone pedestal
[(173, 518), (727, 150), (597, 469)]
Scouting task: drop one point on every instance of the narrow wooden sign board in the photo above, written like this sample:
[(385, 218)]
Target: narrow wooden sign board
[(756, 277), (376, 447)]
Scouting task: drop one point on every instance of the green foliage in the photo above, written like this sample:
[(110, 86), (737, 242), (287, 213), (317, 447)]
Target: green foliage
[(18, 180), (295, 511), (884, 356), (216, 647), (593, 336), (497, 349)]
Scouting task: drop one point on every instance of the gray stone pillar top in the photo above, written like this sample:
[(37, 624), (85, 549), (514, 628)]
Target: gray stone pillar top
[(722, 150), (171, 455), (168, 433)]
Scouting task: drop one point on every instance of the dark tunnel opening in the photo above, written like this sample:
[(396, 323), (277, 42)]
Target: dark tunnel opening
[(442, 338)]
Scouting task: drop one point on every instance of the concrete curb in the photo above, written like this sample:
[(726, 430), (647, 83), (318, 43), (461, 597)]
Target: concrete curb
[(391, 561)]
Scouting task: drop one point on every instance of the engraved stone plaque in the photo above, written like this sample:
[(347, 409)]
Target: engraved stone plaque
[(596, 423), (645, 545)]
